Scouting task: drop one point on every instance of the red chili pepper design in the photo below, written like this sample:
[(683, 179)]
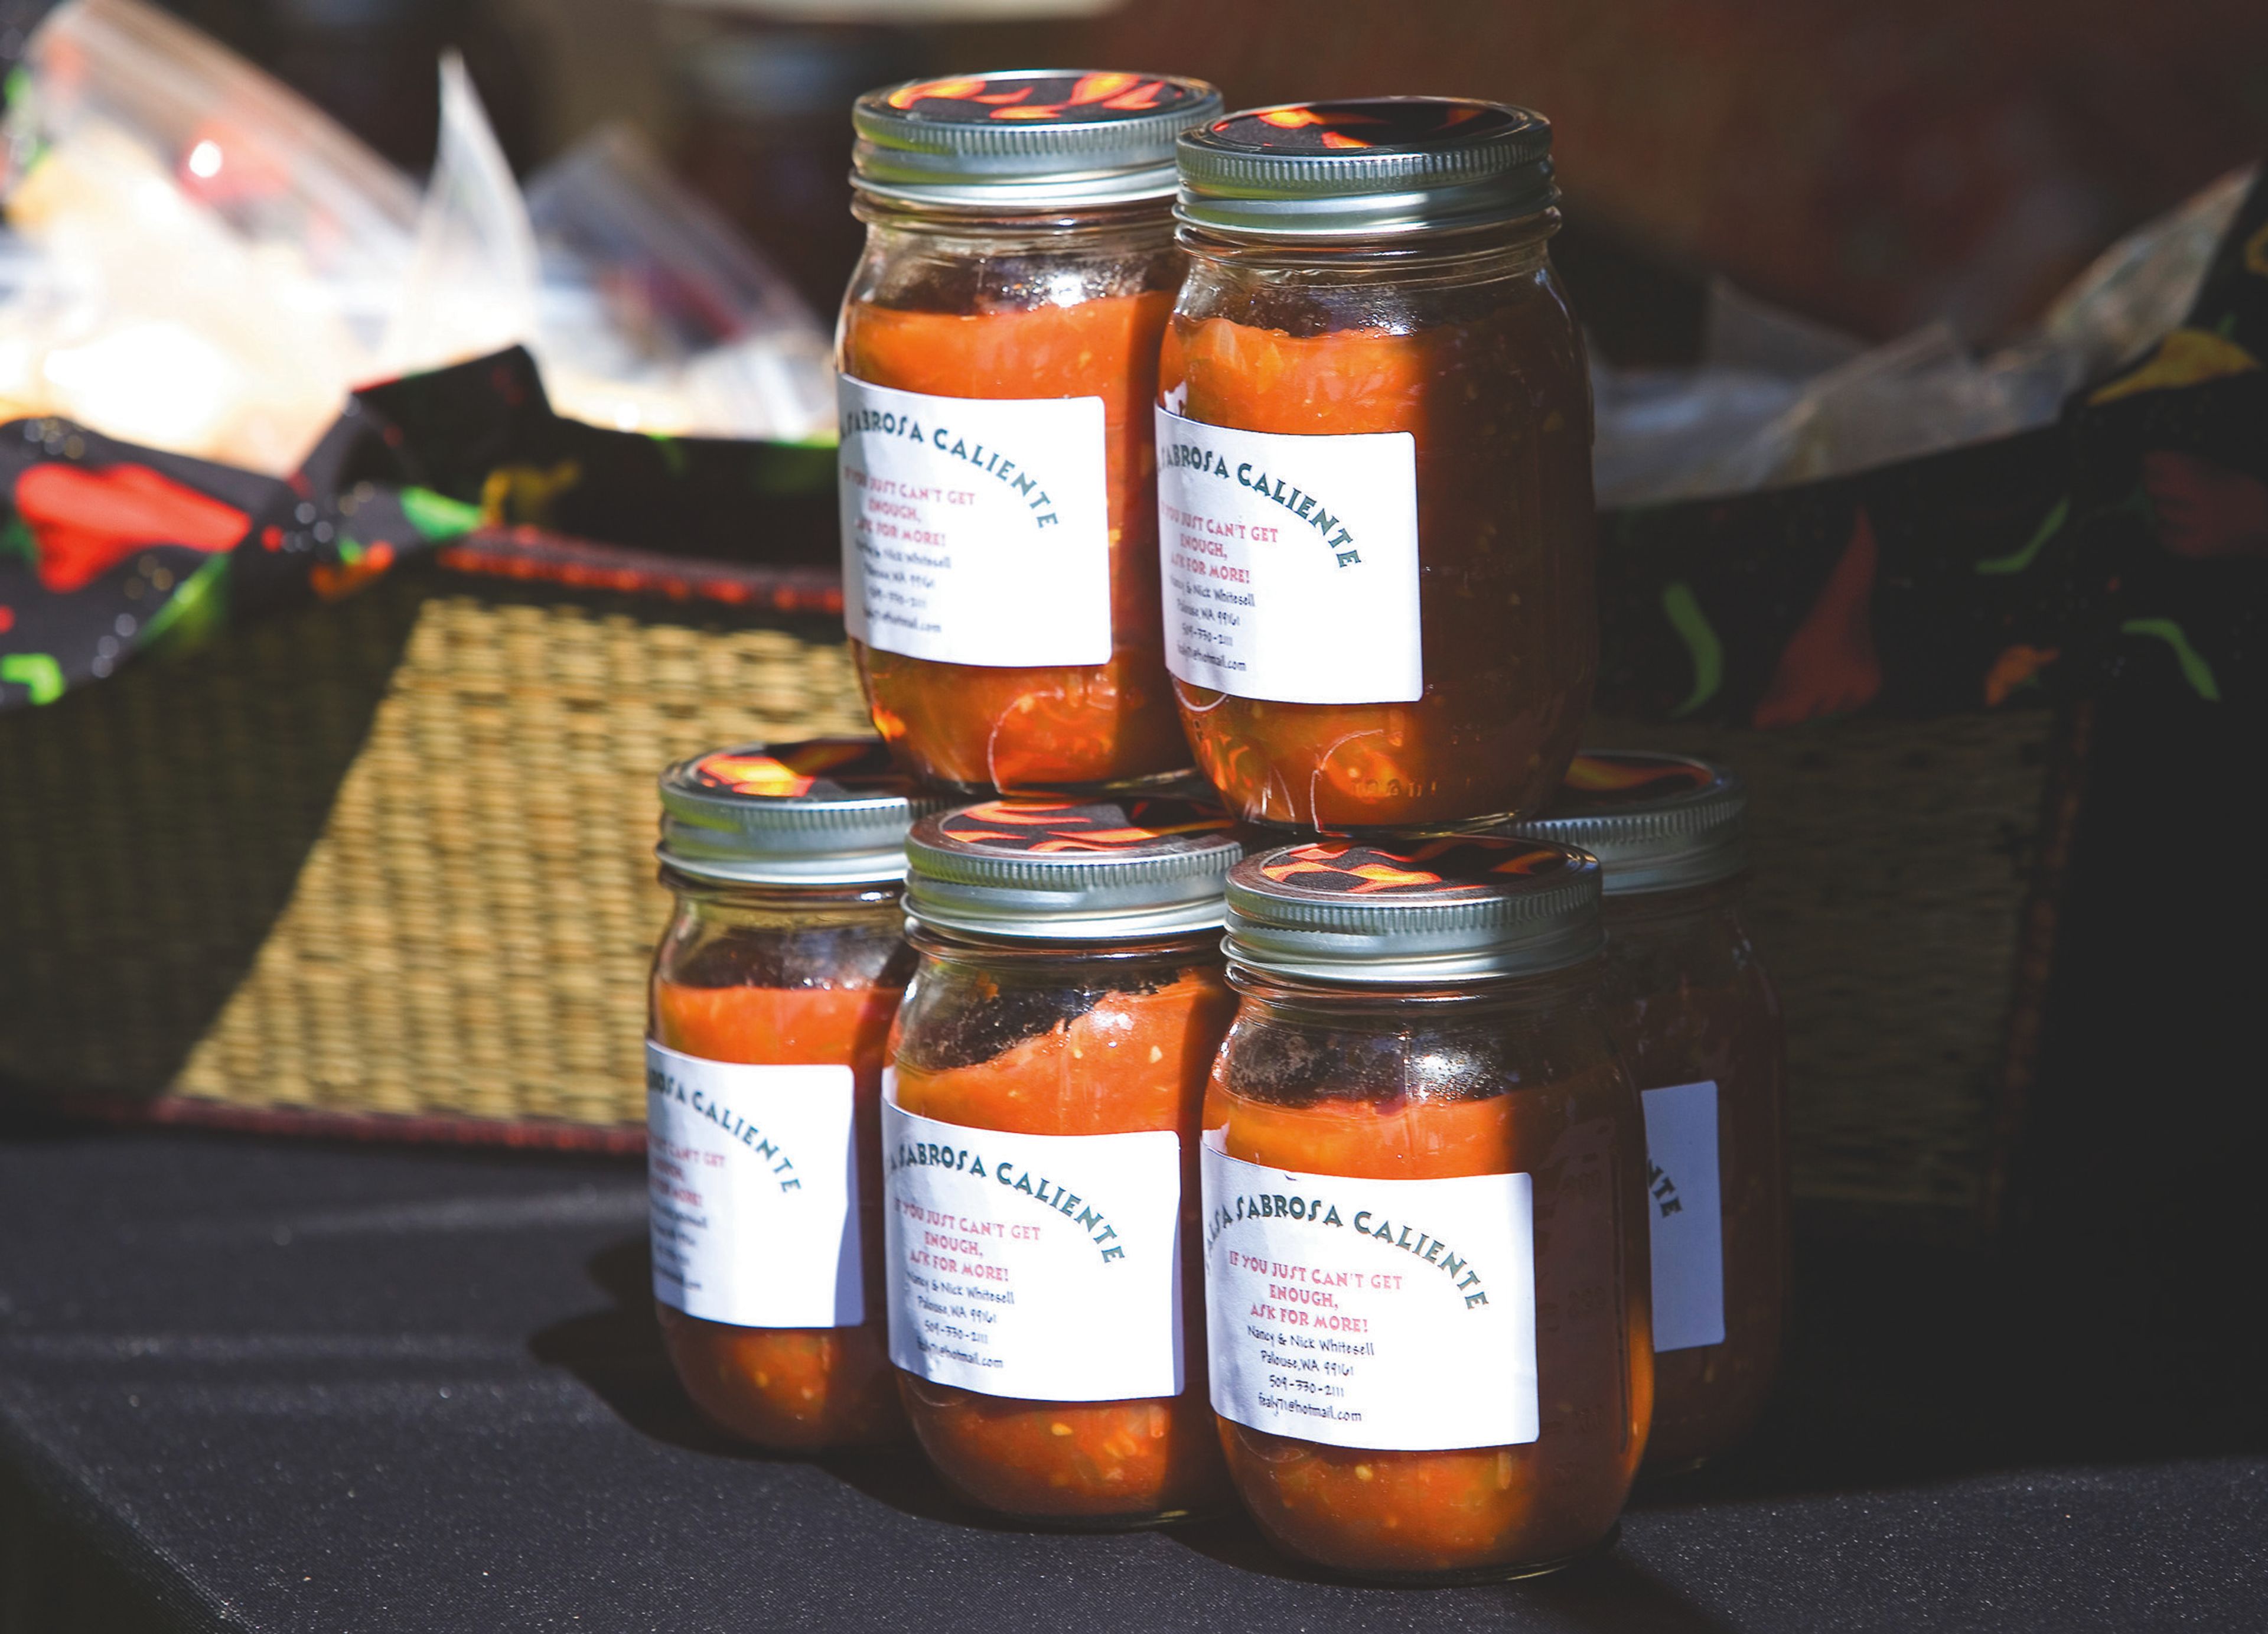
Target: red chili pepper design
[(1082, 98), (1602, 777), (1436, 868), (1052, 825), (86, 522), (1391, 122), (833, 768)]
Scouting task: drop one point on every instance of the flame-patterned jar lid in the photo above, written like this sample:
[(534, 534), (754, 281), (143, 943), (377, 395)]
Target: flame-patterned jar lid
[(1656, 823), (1027, 138), (828, 811), (1107, 870), (1368, 167), (1415, 911)]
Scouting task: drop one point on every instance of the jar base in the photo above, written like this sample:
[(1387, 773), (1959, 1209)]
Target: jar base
[(1470, 1575), (1184, 782), (1092, 1524), (807, 1452), (1387, 834)]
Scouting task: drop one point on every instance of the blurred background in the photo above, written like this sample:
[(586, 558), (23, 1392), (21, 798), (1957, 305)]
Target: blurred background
[(1921, 177), (1872, 165)]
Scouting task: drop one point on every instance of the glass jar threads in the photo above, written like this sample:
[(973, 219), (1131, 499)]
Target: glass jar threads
[(1374, 446), (1425, 1187), (772, 994), (1701, 1028), (1040, 1141), (998, 357)]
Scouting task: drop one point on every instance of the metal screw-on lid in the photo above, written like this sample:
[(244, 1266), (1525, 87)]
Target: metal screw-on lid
[(1367, 168), (1118, 870), (1027, 138), (1656, 823), (1421, 911), (831, 810)]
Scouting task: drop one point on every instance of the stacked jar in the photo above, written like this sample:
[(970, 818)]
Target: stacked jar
[(1259, 444), (1424, 1164), (1374, 474), (1425, 1210), (998, 359), (997, 355), (773, 991), (1040, 1139), (1700, 1026)]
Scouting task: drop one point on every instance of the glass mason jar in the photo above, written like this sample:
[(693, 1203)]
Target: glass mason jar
[(997, 355), (1040, 1143), (1700, 1026), (1374, 468), (773, 990), (1425, 1191)]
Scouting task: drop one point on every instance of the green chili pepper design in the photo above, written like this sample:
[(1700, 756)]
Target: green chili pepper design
[(436, 516), (2195, 670), (2018, 560), (37, 673), (1682, 609)]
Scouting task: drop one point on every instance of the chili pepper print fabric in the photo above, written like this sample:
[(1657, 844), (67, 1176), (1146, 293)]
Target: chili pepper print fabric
[(107, 550), (2127, 544), (484, 433)]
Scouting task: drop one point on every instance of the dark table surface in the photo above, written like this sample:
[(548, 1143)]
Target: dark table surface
[(271, 1386)]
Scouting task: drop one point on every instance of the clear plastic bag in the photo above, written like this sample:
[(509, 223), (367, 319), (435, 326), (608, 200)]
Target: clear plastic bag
[(266, 163), (209, 261), (201, 261), (1773, 403), (470, 287), (657, 315), (2141, 287)]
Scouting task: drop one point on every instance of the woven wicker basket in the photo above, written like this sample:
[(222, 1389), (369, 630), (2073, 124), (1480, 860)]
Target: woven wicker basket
[(388, 861), (391, 857), (1894, 861)]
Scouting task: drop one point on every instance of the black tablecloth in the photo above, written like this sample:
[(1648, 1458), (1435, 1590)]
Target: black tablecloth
[(265, 1386)]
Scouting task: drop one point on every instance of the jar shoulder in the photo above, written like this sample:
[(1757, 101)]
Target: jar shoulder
[(1305, 1055), (1306, 298), (856, 946), (979, 274), (966, 1011)]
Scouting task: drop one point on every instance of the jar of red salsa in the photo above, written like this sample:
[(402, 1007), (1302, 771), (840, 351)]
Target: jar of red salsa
[(1374, 467), (1424, 1229), (773, 990), (998, 356), (1700, 1026), (1040, 1143)]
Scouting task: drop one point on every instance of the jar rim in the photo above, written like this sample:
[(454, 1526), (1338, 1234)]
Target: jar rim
[(887, 207), (947, 941), (673, 876), (1269, 984)]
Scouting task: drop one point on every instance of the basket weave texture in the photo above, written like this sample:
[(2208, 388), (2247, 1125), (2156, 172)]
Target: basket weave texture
[(1890, 861), (389, 857), (393, 857)]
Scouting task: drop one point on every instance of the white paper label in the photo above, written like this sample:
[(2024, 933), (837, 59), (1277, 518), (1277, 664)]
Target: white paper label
[(1371, 1312), (975, 530), (1290, 563), (753, 1172), (1688, 1223), (1041, 1266)]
